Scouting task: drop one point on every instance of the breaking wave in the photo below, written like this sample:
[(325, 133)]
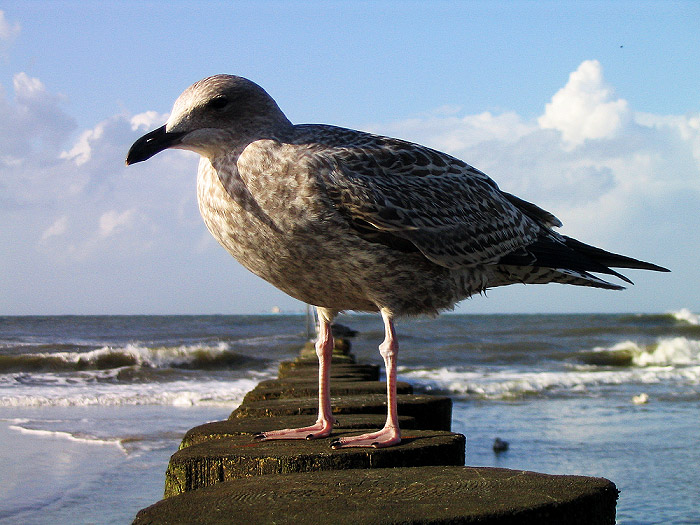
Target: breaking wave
[(513, 385), (68, 436), (672, 361), (686, 316), (61, 391), (199, 357), (665, 352)]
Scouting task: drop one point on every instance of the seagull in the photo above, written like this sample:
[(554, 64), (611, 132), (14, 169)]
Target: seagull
[(347, 220)]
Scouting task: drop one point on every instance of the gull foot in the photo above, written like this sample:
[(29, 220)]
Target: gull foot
[(386, 437), (318, 430)]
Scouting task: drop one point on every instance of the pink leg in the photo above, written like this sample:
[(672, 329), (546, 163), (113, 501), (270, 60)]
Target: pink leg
[(324, 423), (390, 434)]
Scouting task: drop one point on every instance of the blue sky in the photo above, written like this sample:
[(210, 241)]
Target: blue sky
[(590, 109)]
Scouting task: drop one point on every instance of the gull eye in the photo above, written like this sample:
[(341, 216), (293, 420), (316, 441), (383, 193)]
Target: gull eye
[(218, 102)]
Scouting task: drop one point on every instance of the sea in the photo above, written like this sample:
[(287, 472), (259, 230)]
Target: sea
[(92, 407)]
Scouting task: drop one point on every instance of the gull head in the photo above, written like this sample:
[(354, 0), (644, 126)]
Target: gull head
[(214, 116)]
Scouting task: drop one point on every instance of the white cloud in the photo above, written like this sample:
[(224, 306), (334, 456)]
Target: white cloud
[(58, 228), (28, 88), (104, 209), (454, 133), (585, 108), (8, 33), (687, 127), (112, 222), (35, 124), (148, 120), (81, 151)]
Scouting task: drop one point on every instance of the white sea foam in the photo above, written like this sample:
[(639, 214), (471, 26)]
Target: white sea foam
[(687, 316), (675, 361), (78, 438), (156, 357), (665, 352), (511, 384), (59, 390), (675, 351)]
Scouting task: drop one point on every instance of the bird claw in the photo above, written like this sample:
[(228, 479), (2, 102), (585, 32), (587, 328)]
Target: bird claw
[(320, 429), (386, 437)]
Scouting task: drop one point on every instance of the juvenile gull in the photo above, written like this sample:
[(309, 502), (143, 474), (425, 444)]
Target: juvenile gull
[(346, 220)]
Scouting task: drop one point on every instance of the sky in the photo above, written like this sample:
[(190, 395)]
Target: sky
[(589, 109)]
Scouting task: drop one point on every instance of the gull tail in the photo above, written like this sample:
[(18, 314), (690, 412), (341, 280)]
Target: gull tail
[(575, 259), (610, 259)]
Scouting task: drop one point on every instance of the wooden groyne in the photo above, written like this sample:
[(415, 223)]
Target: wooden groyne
[(221, 475)]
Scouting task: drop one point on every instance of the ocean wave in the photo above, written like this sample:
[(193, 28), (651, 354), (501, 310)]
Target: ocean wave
[(674, 351), (77, 437), (513, 384), (60, 391), (200, 357), (686, 316)]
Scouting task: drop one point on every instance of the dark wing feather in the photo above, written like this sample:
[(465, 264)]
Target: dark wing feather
[(610, 259), (536, 213), (551, 252), (403, 195)]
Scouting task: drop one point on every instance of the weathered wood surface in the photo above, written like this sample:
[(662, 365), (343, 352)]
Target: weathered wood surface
[(416, 496), (309, 368), (236, 457), (251, 426), (281, 389), (430, 412)]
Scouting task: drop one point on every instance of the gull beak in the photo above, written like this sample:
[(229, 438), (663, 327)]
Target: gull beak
[(152, 143)]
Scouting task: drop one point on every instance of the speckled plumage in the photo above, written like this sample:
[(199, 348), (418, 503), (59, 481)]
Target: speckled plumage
[(323, 212), (346, 220)]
